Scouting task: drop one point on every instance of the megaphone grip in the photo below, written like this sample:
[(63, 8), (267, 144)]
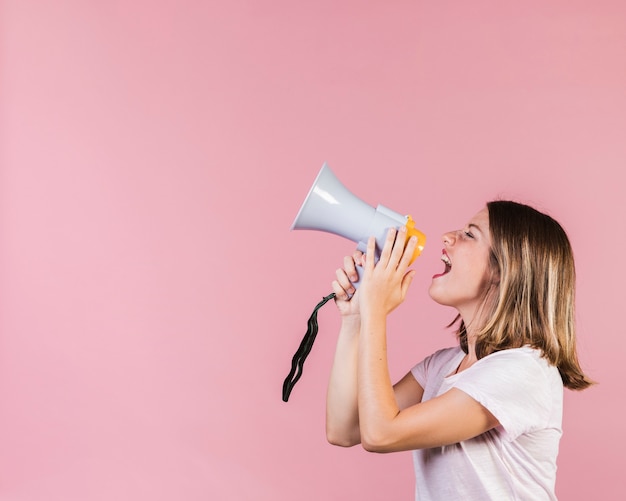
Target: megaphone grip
[(297, 362)]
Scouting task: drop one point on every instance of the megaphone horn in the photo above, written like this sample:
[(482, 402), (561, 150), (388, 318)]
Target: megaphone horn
[(331, 207)]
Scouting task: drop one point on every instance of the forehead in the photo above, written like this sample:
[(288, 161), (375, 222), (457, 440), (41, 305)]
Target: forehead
[(481, 219)]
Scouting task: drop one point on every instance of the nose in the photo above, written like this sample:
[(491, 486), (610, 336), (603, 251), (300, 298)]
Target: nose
[(449, 238)]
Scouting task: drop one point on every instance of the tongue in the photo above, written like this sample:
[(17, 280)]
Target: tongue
[(446, 270)]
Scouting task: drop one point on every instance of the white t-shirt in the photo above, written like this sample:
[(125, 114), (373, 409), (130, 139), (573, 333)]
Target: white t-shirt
[(517, 459)]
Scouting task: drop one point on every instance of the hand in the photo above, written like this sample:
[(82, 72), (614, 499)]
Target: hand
[(346, 296), (386, 282)]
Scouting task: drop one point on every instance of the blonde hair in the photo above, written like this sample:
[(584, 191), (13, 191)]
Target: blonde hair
[(531, 300)]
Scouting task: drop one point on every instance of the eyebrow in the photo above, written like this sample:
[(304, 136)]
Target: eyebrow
[(472, 225)]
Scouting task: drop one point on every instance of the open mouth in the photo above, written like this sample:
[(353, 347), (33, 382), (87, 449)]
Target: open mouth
[(448, 264), (446, 261)]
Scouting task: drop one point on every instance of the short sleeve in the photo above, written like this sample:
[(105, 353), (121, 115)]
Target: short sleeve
[(434, 366), (420, 371), (516, 386)]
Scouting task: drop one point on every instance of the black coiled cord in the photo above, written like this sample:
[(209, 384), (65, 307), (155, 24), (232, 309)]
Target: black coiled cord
[(297, 362)]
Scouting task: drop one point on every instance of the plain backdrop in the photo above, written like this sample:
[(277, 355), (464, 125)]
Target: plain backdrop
[(153, 155)]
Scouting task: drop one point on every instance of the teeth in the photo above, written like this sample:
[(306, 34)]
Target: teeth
[(446, 260)]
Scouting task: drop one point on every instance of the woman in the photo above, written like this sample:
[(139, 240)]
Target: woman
[(483, 418)]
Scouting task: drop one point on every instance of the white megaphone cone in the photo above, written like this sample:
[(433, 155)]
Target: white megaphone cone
[(332, 208)]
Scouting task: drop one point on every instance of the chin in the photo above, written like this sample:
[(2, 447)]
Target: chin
[(437, 296)]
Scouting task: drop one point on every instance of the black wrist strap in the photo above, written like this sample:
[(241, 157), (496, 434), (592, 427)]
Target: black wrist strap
[(297, 362)]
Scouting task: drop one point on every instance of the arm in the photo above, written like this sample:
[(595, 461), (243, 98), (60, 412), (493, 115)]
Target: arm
[(342, 411), (342, 420), (384, 425), (342, 414)]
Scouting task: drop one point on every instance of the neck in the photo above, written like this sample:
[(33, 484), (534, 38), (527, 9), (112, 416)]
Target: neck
[(470, 334)]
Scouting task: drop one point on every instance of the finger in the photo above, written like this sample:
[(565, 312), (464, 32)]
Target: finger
[(344, 282), (385, 254), (398, 246), (349, 265), (406, 282), (358, 257), (340, 293), (409, 249), (407, 252)]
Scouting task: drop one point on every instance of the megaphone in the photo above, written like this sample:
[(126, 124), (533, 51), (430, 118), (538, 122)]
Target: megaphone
[(330, 207)]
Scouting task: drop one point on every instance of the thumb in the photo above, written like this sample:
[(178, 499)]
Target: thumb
[(406, 282)]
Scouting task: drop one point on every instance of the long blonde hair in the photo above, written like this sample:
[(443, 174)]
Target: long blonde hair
[(531, 302)]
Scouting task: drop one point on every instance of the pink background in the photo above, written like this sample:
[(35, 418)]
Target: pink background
[(153, 156)]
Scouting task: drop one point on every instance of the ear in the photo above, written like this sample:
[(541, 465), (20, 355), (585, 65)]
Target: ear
[(495, 279), (494, 271)]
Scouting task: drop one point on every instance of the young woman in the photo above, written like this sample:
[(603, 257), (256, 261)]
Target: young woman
[(483, 418)]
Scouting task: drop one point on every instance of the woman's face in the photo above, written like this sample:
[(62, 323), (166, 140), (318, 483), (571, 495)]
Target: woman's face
[(466, 277)]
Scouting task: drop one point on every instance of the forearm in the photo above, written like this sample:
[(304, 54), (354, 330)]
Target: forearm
[(342, 418), (377, 405)]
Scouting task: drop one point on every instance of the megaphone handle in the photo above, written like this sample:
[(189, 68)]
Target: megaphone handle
[(359, 271)]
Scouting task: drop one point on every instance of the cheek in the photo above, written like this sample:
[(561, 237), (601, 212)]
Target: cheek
[(484, 280), (483, 270), (491, 274)]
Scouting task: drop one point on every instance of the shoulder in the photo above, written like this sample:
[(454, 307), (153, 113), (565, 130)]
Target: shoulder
[(436, 362), (442, 356), (526, 360)]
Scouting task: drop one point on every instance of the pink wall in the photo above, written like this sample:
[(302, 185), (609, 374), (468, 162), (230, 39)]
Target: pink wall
[(152, 158)]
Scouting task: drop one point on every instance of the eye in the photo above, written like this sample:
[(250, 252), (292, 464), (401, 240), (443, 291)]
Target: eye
[(468, 234)]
